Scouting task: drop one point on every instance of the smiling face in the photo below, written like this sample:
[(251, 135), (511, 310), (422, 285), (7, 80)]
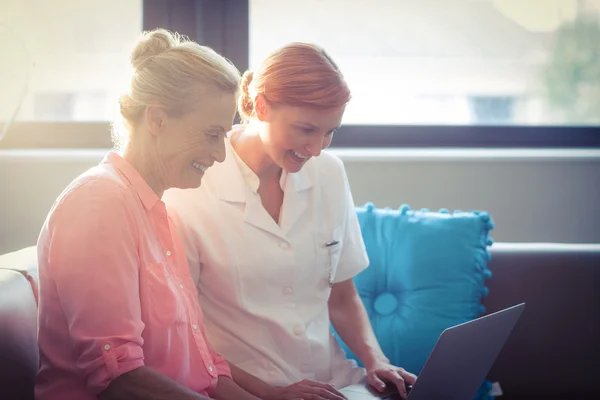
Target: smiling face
[(292, 135), (189, 145)]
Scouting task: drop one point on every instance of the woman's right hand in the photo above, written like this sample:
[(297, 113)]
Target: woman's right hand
[(306, 390)]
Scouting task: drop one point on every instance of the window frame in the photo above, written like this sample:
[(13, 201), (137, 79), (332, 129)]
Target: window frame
[(91, 135), (224, 26)]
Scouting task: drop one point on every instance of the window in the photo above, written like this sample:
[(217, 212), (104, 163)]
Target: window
[(424, 62), (66, 57), (492, 109), (424, 73)]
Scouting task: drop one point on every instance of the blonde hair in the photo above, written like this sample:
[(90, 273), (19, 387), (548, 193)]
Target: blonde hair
[(299, 74), (172, 72)]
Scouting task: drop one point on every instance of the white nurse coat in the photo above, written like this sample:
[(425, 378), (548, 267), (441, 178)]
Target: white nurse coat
[(263, 286)]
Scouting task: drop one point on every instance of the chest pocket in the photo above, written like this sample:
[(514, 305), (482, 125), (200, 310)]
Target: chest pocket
[(329, 244), (163, 301)]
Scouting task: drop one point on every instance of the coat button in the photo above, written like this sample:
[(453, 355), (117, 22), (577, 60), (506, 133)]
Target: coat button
[(298, 330)]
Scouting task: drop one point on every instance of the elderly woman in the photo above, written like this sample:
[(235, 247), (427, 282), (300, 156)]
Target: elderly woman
[(119, 315)]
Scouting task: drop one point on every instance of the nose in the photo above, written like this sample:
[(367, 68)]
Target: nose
[(218, 153), (315, 146)]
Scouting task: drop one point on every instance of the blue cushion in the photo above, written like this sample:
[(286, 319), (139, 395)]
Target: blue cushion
[(427, 272)]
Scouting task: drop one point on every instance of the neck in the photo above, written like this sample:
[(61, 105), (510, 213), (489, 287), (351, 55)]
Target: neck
[(249, 146), (144, 160)]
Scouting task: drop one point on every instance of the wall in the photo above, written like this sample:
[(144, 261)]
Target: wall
[(533, 196)]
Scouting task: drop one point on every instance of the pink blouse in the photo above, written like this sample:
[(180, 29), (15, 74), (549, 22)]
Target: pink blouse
[(115, 291)]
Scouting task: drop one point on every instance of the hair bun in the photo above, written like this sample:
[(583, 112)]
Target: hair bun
[(151, 44), (246, 79), (245, 101)]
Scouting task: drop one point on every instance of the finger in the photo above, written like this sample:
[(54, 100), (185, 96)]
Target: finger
[(408, 377), (327, 386), (319, 393), (296, 396), (393, 377), (375, 381)]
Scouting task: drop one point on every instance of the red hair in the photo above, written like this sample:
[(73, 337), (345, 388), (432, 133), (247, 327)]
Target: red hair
[(300, 75)]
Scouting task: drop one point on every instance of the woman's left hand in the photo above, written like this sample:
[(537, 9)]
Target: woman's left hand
[(382, 372)]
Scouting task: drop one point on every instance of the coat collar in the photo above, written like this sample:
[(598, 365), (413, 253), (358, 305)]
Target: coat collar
[(235, 184), (234, 180), (144, 191)]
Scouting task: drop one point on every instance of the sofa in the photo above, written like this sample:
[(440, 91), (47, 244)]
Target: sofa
[(553, 352)]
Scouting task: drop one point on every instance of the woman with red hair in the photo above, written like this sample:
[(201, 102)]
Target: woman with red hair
[(273, 241)]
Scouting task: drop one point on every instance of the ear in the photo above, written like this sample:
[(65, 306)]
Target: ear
[(262, 108), (156, 119)]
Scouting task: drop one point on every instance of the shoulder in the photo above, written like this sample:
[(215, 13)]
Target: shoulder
[(178, 201), (330, 161), (236, 129), (96, 193), (330, 171), (97, 207)]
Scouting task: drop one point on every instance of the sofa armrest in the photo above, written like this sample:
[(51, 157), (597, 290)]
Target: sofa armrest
[(24, 261), (19, 357), (554, 349)]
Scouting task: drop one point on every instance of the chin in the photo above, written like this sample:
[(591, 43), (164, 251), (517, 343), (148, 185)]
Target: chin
[(291, 166), (196, 185), (190, 184)]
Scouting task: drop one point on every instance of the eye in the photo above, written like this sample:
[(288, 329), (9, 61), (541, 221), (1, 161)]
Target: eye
[(305, 129)]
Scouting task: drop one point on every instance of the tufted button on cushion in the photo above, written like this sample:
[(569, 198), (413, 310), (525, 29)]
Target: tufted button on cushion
[(385, 303)]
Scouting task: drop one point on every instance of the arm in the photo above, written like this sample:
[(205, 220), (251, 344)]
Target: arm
[(251, 383), (93, 260), (145, 383), (228, 389), (346, 310), (305, 389), (351, 321)]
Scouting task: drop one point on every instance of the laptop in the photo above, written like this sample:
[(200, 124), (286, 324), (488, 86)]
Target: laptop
[(459, 362)]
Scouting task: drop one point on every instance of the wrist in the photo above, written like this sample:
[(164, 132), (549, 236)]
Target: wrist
[(375, 358), (269, 392)]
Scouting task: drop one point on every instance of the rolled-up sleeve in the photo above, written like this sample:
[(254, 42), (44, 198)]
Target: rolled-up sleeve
[(93, 262), (222, 366)]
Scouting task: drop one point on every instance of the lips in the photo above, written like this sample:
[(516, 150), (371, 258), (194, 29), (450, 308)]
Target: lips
[(199, 166), (299, 157)]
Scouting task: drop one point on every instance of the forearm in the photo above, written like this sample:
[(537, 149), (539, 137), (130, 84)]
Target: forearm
[(227, 389), (351, 321), (250, 383), (147, 384)]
